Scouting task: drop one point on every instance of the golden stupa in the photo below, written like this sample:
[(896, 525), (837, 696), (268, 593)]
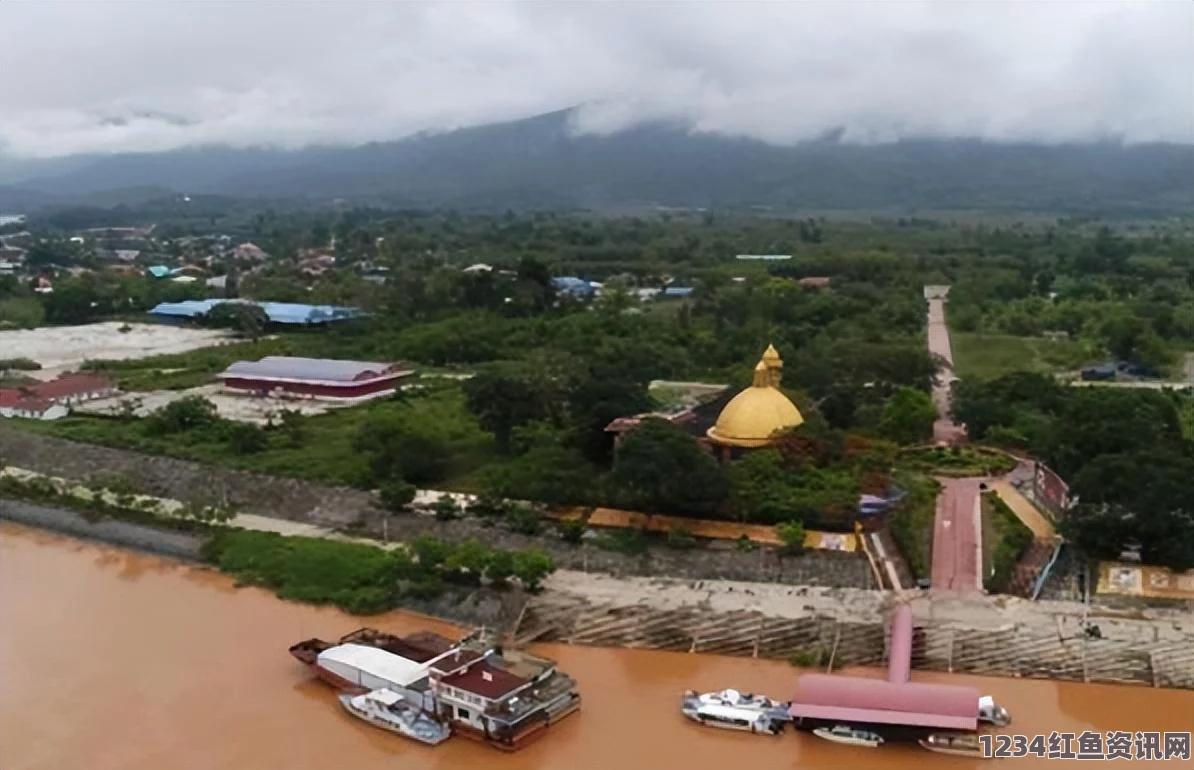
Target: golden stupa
[(753, 417)]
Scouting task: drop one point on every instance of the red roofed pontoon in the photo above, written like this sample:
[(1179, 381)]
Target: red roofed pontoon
[(855, 700)]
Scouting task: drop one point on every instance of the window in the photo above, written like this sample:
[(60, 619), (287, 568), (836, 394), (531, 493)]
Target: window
[(462, 713)]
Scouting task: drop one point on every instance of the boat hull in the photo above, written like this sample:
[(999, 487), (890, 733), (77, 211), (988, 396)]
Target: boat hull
[(346, 702), (827, 735)]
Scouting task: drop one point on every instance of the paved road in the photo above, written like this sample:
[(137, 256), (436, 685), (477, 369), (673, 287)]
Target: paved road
[(957, 529), (957, 541)]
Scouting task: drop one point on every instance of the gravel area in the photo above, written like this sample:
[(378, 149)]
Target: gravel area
[(65, 348)]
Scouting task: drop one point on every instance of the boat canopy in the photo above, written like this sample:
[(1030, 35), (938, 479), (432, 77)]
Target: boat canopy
[(400, 671), (385, 697)]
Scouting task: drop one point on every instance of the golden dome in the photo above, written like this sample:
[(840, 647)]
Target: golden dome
[(754, 416)]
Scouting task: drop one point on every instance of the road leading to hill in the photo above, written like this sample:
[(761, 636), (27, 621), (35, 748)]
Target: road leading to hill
[(957, 529)]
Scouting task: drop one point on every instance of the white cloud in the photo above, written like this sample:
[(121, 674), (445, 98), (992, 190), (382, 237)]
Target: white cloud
[(117, 76)]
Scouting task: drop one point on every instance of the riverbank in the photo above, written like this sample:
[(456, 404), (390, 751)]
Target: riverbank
[(125, 534), (807, 625)]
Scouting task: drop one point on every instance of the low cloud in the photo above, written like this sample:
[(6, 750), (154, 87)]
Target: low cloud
[(116, 77)]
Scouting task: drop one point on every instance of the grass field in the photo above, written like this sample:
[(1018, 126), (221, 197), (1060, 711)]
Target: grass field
[(986, 356)]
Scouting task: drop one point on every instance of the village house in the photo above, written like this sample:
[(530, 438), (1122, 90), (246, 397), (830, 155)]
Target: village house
[(52, 400)]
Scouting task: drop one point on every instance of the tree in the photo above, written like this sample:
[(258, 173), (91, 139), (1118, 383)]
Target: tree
[(469, 558), (21, 313), (1139, 497), (500, 568), (247, 319), (531, 566), (400, 447), (245, 439), (791, 533), (908, 416), (394, 497), (659, 467), (502, 400), (187, 413), (431, 551)]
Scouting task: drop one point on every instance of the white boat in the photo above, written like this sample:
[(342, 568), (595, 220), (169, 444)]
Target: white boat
[(956, 745), (734, 710), (390, 711), (851, 736)]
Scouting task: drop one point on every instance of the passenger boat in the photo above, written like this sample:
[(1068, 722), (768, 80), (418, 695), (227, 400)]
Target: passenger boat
[(958, 745), (851, 736), (390, 711), (735, 710)]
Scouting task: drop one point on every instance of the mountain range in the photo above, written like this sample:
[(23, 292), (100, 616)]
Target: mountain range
[(541, 162)]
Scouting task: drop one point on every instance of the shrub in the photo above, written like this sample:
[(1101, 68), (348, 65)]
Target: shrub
[(628, 541), (681, 539), (445, 508), (571, 531), (791, 533), (524, 520), (246, 439), (395, 496), (531, 565), (20, 364)]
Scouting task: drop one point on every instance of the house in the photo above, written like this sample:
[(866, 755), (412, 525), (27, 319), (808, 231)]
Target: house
[(573, 286), (52, 400), (159, 271), (764, 257), (43, 285), (8, 268), (814, 282), (126, 255), (249, 252)]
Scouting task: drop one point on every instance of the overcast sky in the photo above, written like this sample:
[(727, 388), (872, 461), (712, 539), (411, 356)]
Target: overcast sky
[(114, 75)]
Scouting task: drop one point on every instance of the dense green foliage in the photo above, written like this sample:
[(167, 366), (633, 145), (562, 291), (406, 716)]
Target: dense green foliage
[(360, 578), (1124, 450), (1005, 538)]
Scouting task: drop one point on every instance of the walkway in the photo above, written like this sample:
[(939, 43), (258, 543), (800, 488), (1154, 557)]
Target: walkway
[(957, 540), (944, 429), (957, 530), (1042, 528)]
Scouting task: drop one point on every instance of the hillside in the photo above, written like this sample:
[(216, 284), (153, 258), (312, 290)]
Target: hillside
[(540, 163)]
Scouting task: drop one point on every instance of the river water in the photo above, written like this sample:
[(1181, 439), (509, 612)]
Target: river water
[(111, 660)]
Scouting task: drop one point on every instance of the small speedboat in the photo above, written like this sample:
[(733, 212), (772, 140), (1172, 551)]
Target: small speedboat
[(851, 736), (390, 711), (734, 710), (959, 745)]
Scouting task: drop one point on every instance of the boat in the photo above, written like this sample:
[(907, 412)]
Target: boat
[(734, 710), (851, 736), (421, 647), (958, 745), (390, 711)]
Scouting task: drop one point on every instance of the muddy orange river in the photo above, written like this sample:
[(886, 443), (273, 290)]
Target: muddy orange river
[(111, 660)]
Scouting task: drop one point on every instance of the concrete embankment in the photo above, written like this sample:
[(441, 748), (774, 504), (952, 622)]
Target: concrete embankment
[(122, 533), (835, 628)]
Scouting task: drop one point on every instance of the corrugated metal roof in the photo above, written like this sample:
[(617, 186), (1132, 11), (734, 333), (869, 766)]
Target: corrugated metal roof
[(294, 368), (276, 312), (823, 696)]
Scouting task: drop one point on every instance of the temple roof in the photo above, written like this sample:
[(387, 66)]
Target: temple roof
[(755, 415)]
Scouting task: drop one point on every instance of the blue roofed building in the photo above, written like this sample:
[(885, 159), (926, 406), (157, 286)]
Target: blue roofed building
[(288, 313), (160, 271), (576, 287)]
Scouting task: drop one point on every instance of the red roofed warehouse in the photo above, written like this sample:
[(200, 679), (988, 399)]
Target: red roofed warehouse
[(292, 377)]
